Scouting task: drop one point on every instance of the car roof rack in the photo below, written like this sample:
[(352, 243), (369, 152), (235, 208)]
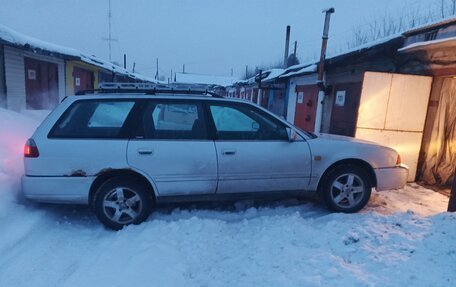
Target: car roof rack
[(148, 89)]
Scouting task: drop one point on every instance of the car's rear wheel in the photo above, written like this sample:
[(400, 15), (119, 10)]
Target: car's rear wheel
[(346, 189), (122, 201)]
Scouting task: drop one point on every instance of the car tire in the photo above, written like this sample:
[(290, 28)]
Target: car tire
[(122, 201), (346, 188)]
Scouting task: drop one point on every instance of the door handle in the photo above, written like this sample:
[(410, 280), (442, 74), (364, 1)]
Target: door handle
[(145, 151), (229, 152)]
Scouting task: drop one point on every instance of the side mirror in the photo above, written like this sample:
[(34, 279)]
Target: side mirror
[(292, 135)]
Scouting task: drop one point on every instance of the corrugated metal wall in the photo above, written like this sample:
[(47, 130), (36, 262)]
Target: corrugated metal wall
[(15, 76)]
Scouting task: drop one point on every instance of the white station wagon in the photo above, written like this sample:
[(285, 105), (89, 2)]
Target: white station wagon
[(122, 153)]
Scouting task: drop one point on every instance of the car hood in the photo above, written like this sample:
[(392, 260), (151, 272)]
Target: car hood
[(337, 147), (345, 139)]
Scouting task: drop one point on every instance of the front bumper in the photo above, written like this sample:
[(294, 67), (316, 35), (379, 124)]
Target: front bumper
[(391, 177), (72, 190)]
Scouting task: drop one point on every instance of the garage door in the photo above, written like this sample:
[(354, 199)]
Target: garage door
[(306, 106), (41, 84), (392, 112)]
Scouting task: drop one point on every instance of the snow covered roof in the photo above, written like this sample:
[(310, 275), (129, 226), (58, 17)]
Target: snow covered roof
[(95, 61), (10, 37), (268, 76), (431, 25), (312, 68), (419, 45), (188, 78), (272, 74)]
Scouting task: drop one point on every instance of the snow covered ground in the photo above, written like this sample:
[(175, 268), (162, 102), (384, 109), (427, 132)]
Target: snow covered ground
[(402, 238)]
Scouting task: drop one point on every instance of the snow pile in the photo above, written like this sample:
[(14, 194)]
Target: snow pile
[(14, 130), (285, 245), (403, 238)]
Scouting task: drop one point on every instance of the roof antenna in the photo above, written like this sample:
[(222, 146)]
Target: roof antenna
[(110, 39)]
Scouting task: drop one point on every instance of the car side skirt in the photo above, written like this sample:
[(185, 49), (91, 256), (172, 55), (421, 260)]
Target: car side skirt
[(276, 195)]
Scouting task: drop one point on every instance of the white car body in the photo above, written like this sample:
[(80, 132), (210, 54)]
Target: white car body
[(68, 170)]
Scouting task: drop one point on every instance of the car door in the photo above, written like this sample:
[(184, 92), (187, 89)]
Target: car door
[(172, 147), (254, 153)]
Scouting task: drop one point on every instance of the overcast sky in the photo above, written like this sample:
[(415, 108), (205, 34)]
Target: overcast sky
[(208, 36)]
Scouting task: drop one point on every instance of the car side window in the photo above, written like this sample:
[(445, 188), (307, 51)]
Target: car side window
[(240, 122), (93, 119), (174, 121)]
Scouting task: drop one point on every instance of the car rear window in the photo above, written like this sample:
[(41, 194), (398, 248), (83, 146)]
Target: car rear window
[(93, 119)]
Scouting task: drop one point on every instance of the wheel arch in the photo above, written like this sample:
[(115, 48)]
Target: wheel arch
[(103, 176), (354, 162)]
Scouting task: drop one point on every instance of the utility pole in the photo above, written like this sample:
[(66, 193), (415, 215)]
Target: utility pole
[(156, 73), (183, 68), (321, 68), (110, 39), (125, 61), (259, 88), (287, 46), (295, 47), (231, 72), (246, 71), (134, 65)]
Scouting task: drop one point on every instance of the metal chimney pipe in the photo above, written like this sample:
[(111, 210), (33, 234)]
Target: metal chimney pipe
[(287, 46), (321, 69), (324, 43)]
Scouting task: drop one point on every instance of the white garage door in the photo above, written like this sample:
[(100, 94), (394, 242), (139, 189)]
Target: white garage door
[(392, 112)]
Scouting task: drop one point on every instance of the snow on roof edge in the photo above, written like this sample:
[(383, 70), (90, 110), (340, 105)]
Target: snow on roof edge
[(18, 39), (426, 43), (312, 68), (431, 25)]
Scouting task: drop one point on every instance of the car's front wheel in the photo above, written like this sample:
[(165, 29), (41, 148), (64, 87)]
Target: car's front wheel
[(122, 201), (346, 189)]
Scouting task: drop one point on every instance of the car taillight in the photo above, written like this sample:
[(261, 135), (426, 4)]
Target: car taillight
[(30, 149), (398, 160)]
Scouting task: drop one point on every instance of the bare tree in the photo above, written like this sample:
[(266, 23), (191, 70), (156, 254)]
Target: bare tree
[(386, 25)]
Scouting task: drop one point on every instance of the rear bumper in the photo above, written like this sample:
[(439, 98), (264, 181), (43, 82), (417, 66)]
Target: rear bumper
[(391, 178), (72, 190)]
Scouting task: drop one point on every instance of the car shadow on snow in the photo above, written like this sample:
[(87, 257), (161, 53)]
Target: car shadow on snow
[(239, 210), (82, 216)]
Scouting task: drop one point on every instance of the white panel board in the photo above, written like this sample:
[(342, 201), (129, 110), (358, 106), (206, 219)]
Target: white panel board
[(408, 103), (408, 144), (392, 112), (374, 100)]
